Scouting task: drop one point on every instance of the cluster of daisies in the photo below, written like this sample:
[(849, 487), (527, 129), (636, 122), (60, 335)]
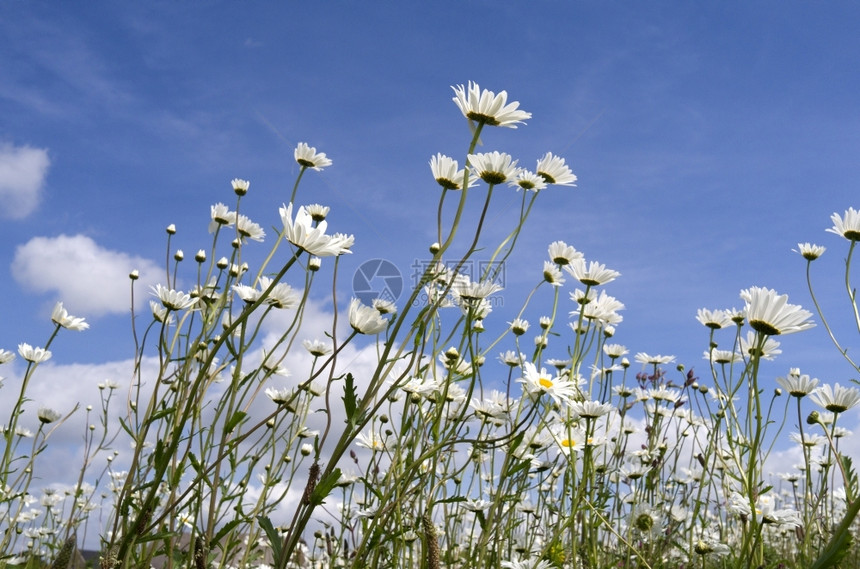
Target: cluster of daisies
[(641, 460)]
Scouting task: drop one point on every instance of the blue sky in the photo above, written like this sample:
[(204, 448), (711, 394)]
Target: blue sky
[(708, 138)]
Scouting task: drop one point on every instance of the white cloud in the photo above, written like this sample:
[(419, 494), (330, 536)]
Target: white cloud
[(89, 279), (22, 176)]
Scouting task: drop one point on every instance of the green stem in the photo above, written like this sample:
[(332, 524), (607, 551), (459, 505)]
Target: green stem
[(843, 351), (461, 206)]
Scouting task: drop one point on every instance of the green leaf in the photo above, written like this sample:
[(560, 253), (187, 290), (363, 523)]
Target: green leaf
[(145, 538), (177, 475), (160, 458), (482, 520), (851, 484), (520, 466), (228, 527), (324, 487), (350, 399), (126, 428), (451, 500), (371, 487), (160, 414), (841, 541), (272, 534), (516, 441), (195, 464), (237, 418)]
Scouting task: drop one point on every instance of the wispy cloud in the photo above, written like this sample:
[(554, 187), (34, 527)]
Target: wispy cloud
[(23, 170), (89, 278)]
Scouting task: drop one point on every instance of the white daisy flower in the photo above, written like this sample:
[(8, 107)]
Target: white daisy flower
[(488, 108)]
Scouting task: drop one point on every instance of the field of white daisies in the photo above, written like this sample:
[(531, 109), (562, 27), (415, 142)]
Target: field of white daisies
[(541, 443)]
